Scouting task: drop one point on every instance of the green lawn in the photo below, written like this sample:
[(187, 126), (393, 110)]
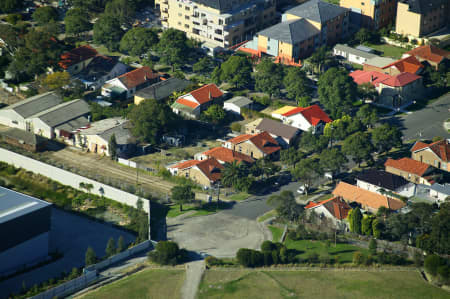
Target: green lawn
[(388, 50), (316, 284), (343, 251), (267, 215), (239, 197), (276, 232), (151, 283)]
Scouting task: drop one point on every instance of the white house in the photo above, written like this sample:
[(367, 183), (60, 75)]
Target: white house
[(235, 104), (309, 118), (196, 101), (352, 55), (382, 182), (335, 209), (439, 192)]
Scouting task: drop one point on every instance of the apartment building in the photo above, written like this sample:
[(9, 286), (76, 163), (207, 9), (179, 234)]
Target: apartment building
[(372, 14), (220, 23), (419, 18)]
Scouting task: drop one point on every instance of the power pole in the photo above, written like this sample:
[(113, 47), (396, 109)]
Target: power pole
[(149, 227)]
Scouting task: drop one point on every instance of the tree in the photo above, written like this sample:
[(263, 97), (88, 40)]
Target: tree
[(297, 86), (268, 77), (7, 6), (77, 21), (358, 146), (354, 219), (112, 147), (123, 10), (167, 253), (182, 194), (367, 91), (291, 156), (332, 160), (45, 14), (307, 170), (203, 66), (432, 263), (337, 91), (150, 120), (320, 59), (385, 137), (363, 35), (90, 257), (215, 114), (376, 228), (173, 47), (366, 225), (110, 248), (311, 142), (367, 116), (12, 38), (13, 18), (233, 173), (440, 226), (95, 5), (138, 41), (373, 246), (121, 244), (286, 205), (56, 80), (107, 31), (237, 71), (358, 258)]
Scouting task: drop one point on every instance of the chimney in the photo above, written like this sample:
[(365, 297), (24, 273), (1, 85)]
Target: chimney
[(371, 78), (209, 95)]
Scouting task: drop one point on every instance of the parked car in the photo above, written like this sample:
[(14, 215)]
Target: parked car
[(301, 189)]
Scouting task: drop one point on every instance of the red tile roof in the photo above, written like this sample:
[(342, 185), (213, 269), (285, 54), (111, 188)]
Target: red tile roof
[(366, 198), (376, 78), (430, 53), (206, 93), (409, 165), (137, 77), (240, 138), (441, 148), (265, 143), (188, 103), (313, 114), (226, 155), (186, 164), (408, 64), (401, 80), (211, 168), (76, 55)]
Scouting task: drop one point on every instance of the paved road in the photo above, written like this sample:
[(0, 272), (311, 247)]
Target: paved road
[(426, 123), (194, 273)]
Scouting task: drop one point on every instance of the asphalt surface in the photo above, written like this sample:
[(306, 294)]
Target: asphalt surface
[(427, 122)]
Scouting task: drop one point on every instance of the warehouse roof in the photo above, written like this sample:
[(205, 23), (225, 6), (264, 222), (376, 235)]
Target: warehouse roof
[(163, 89), (63, 113), (239, 101), (35, 104)]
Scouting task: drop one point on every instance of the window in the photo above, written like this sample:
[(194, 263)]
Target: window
[(179, 14), (186, 26), (240, 148), (15, 122), (220, 22), (187, 174)]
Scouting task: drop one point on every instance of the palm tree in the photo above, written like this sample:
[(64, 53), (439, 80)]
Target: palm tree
[(230, 174)]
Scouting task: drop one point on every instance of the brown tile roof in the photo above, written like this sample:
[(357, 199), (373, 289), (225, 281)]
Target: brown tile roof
[(240, 138), (226, 155), (366, 198), (409, 165), (441, 148), (335, 205), (429, 52), (76, 55), (265, 143), (408, 64), (211, 168), (206, 93), (186, 164), (188, 103), (137, 77)]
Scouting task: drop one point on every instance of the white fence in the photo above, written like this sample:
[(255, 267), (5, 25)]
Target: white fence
[(127, 162), (68, 178)]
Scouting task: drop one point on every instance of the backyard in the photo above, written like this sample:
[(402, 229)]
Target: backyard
[(238, 283), (388, 50)]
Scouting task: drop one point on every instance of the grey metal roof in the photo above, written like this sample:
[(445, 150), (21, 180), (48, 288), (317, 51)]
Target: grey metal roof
[(107, 127), (63, 112), (380, 61), (354, 51), (291, 32), (163, 89), (317, 11), (277, 128), (14, 204), (36, 104), (74, 124), (240, 101), (25, 136), (365, 49), (444, 189)]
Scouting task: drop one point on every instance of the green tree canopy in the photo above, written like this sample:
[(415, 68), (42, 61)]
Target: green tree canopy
[(337, 91), (112, 147), (297, 85), (182, 194), (237, 71), (45, 14), (138, 41), (269, 77), (173, 47), (307, 170), (95, 5), (203, 66), (7, 6), (233, 173), (215, 114), (358, 146), (167, 253), (90, 257), (286, 205), (110, 247), (123, 10), (385, 137), (107, 31), (354, 219), (332, 160), (150, 120), (77, 21), (367, 115)]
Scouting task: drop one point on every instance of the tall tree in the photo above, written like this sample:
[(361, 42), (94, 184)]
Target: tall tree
[(138, 41), (385, 137), (291, 156), (45, 14), (354, 218), (367, 116), (7, 6), (173, 47), (182, 194), (269, 77), (337, 91), (237, 71), (297, 85), (123, 10), (90, 257), (203, 66), (77, 21), (233, 173), (286, 205), (215, 114), (121, 244), (107, 31), (112, 147), (94, 5), (358, 146), (307, 170), (332, 160), (110, 247)]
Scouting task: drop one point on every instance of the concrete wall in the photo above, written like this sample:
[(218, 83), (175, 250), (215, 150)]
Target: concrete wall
[(68, 178), (408, 23)]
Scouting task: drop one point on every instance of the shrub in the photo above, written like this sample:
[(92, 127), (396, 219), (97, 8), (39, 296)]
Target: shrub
[(358, 258), (432, 263), (267, 246), (443, 271), (313, 257), (213, 261), (244, 258), (167, 253), (236, 127), (325, 259)]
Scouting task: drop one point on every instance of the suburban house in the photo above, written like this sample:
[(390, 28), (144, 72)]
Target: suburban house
[(224, 155), (377, 63), (371, 14), (47, 115), (280, 111), (430, 54), (393, 91), (368, 200), (418, 18), (161, 90), (23, 139), (309, 118), (412, 170), (192, 104), (96, 138), (335, 209), (351, 54), (382, 182), (126, 85), (99, 70), (76, 60), (217, 23), (302, 30), (256, 146), (205, 173), (440, 192), (284, 134), (436, 154), (235, 104), (408, 64)]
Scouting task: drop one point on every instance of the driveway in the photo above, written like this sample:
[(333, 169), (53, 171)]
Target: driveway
[(427, 122)]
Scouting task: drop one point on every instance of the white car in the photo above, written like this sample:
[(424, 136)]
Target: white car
[(301, 190)]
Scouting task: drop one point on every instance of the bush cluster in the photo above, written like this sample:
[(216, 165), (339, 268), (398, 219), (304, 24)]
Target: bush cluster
[(167, 253), (438, 267), (270, 254)]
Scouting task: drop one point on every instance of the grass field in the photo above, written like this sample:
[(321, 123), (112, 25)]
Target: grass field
[(343, 251), (276, 232), (239, 196), (316, 284), (267, 215), (152, 283), (388, 50)]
